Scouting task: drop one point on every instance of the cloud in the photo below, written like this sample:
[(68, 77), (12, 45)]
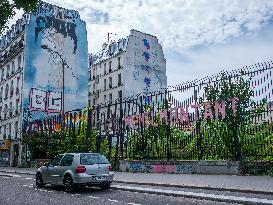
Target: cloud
[(179, 24)]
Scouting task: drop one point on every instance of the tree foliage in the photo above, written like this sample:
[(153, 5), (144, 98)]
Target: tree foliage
[(8, 10)]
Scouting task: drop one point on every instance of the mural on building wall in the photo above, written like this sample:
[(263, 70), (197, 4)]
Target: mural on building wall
[(56, 59), (145, 58)]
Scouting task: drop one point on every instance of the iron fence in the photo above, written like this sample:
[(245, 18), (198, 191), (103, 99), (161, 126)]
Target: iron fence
[(225, 116)]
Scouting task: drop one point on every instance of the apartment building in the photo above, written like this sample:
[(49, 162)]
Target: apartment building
[(43, 72), (126, 68)]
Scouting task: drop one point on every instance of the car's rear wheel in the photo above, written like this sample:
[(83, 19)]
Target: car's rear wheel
[(68, 183), (39, 181), (105, 186)]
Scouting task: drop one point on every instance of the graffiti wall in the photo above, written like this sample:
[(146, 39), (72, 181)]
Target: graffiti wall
[(56, 62), (145, 64)]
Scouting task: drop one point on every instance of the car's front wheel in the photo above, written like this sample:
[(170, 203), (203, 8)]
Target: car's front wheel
[(39, 181), (105, 186), (68, 183)]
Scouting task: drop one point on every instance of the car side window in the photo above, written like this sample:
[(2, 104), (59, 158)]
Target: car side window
[(67, 160), (56, 161)]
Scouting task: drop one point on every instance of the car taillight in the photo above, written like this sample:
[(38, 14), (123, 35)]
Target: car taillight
[(110, 168), (80, 169)]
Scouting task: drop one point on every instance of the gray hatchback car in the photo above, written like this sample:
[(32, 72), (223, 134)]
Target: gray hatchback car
[(75, 169)]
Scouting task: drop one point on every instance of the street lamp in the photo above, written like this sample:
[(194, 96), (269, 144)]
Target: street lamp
[(63, 64)]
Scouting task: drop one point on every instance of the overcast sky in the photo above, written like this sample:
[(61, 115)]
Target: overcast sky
[(199, 37)]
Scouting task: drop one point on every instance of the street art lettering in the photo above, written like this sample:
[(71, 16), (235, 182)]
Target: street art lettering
[(41, 100), (180, 114)]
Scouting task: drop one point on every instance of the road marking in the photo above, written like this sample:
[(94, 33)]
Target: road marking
[(25, 185), (112, 200), (6, 177), (93, 197), (135, 204), (77, 194), (29, 178), (217, 197)]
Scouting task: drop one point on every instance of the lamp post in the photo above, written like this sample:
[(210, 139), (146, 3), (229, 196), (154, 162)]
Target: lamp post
[(63, 64)]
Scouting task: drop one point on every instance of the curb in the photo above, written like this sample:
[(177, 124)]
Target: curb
[(198, 187), (200, 196)]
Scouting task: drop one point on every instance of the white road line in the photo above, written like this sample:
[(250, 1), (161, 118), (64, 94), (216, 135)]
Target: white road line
[(25, 185), (30, 186), (93, 197), (135, 204), (112, 200), (6, 177), (29, 178), (77, 194), (236, 199)]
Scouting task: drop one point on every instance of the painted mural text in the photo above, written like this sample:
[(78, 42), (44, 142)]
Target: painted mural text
[(181, 115)]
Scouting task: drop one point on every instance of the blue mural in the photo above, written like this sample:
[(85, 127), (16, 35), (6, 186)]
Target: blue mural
[(56, 60)]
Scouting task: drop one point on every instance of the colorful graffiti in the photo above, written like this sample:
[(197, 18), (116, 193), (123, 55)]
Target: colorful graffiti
[(160, 168), (56, 61)]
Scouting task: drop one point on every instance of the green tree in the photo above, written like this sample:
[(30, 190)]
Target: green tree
[(8, 10)]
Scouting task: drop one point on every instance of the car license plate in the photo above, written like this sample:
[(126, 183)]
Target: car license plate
[(100, 178)]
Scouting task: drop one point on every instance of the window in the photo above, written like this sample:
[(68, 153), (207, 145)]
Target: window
[(12, 67), (89, 74), (8, 70), (104, 84), (1, 109), (67, 160), (98, 94), (89, 103), (119, 79), (11, 89), (97, 79), (19, 61), (118, 62), (6, 91), (1, 95), (10, 108), (89, 159), (9, 137), (5, 132), (105, 98), (2, 74), (55, 161), (110, 97), (5, 110), (110, 66), (17, 85), (110, 82), (16, 129), (17, 106), (94, 86), (94, 101), (94, 73), (0, 129), (104, 68), (120, 95)]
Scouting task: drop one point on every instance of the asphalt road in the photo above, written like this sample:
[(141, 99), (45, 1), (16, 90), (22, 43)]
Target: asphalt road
[(21, 190)]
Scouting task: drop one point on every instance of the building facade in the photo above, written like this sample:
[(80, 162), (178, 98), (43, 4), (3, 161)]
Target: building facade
[(44, 63), (126, 68)]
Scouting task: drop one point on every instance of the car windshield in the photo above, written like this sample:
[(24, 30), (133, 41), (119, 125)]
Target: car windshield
[(89, 159)]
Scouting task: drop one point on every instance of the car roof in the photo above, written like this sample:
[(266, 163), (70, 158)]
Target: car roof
[(81, 153)]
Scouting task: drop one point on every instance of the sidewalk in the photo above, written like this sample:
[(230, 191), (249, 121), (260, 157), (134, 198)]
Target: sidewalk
[(254, 184)]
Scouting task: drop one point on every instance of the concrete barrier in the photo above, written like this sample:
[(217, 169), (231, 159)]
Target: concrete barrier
[(181, 167)]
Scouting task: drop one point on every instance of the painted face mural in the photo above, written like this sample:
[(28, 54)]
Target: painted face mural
[(55, 62)]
